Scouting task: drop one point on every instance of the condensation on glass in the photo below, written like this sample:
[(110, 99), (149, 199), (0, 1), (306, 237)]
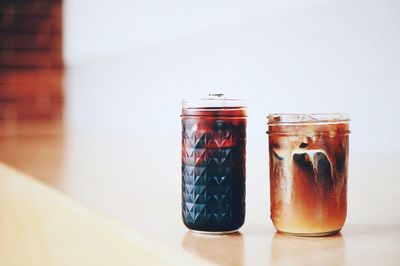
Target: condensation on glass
[(308, 158), (213, 164)]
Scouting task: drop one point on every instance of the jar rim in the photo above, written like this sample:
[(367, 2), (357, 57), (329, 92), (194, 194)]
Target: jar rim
[(276, 119), (217, 100)]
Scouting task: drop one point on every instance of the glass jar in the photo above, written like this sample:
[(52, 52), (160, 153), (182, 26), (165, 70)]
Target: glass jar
[(308, 159), (213, 164)]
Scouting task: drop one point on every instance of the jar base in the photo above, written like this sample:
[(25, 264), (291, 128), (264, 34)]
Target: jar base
[(215, 233), (311, 234)]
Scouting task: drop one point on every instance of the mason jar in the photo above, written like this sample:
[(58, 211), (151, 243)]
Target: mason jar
[(308, 163), (213, 164)]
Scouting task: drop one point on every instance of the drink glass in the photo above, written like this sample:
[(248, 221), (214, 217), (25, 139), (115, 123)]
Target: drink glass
[(308, 159), (213, 164)]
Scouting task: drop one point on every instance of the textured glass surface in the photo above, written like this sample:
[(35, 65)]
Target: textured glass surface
[(213, 173)]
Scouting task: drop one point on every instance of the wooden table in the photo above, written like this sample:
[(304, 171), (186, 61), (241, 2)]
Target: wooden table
[(40, 226), (132, 189)]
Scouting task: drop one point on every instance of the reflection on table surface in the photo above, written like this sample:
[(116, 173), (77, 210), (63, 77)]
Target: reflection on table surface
[(287, 249), (221, 249), (356, 245), (122, 160)]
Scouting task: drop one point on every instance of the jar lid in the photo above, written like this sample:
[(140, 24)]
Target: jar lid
[(214, 105), (305, 119)]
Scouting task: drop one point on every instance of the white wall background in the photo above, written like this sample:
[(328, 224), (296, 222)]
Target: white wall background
[(131, 62)]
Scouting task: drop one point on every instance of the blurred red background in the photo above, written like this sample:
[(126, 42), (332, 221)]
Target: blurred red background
[(31, 60)]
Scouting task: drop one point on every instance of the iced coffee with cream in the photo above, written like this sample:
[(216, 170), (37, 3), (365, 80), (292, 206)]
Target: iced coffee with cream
[(308, 159)]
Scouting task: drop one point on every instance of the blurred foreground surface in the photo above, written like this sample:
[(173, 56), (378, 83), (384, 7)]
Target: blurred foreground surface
[(40, 226)]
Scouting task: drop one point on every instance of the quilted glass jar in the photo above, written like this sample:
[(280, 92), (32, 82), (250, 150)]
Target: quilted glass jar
[(213, 164)]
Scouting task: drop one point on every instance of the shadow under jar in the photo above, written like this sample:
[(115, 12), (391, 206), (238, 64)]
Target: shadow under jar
[(213, 164), (308, 158)]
